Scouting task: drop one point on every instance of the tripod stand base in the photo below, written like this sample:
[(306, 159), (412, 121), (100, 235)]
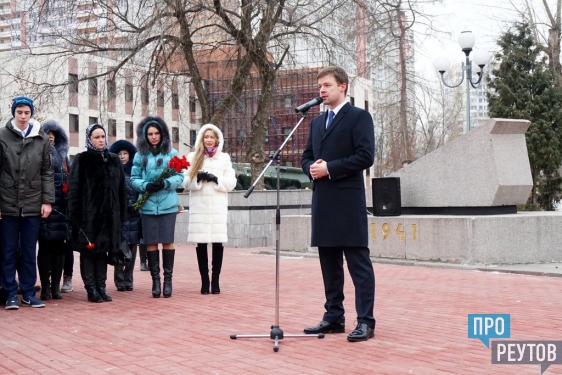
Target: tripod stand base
[(276, 335)]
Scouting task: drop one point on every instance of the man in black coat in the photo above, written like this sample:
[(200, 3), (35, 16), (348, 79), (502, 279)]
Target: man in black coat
[(340, 146)]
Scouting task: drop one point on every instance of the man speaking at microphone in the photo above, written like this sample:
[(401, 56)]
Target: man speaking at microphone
[(340, 146)]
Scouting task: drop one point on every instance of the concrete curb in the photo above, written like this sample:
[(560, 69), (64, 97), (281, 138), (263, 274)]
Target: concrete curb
[(539, 269)]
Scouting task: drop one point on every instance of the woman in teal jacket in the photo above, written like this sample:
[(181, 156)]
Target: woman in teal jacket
[(160, 210)]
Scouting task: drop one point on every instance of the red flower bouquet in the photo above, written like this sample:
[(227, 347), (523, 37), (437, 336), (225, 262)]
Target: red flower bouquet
[(176, 165)]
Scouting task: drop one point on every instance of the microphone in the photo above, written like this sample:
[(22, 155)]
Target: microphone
[(305, 107)]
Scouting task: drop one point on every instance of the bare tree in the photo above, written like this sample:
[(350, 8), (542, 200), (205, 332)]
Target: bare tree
[(184, 36), (439, 112), (249, 37), (391, 63)]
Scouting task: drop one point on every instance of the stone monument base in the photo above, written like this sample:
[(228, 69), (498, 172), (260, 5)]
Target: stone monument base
[(525, 237)]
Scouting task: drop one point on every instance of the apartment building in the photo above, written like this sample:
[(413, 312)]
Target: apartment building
[(60, 87)]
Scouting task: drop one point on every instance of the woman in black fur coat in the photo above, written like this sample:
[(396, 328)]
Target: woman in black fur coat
[(123, 274), (97, 205), (53, 232)]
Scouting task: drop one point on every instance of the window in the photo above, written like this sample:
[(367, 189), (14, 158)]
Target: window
[(128, 93), (175, 101), (92, 120), (73, 125), (175, 135), (112, 128), (352, 101), (93, 86), (144, 95), (129, 129), (192, 137), (366, 105), (240, 106), (192, 104), (286, 132), (160, 98), (287, 101), (111, 89), (241, 136), (73, 83)]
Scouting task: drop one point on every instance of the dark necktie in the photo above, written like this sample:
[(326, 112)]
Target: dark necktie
[(330, 118)]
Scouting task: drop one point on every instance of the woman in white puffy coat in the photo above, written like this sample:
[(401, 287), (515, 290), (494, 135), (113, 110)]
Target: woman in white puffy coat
[(209, 179)]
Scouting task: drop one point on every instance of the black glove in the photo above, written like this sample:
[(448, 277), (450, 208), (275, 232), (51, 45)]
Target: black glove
[(202, 176), (154, 187), (213, 178)]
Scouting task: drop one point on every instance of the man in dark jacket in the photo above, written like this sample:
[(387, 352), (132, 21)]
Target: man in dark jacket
[(340, 146), (26, 195)]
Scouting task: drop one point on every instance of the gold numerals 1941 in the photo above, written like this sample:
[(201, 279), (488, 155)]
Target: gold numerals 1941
[(386, 231)]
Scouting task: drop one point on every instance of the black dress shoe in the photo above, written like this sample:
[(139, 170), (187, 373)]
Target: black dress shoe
[(121, 289), (129, 288), (361, 333), (326, 327)]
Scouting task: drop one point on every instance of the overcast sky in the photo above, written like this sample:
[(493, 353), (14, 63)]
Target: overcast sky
[(485, 18)]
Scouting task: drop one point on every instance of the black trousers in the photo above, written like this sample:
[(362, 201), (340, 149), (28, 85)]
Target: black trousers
[(93, 269), (68, 258), (362, 274)]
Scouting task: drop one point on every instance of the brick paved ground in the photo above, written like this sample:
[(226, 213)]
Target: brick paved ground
[(421, 323)]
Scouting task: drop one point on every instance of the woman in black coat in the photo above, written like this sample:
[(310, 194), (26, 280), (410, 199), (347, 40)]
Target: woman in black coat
[(97, 205), (123, 273), (53, 232)]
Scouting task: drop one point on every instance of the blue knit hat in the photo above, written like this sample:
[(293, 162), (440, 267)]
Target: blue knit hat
[(22, 100)]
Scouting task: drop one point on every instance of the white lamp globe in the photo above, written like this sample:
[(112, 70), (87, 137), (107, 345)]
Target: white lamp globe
[(481, 58), (442, 64), (466, 40)]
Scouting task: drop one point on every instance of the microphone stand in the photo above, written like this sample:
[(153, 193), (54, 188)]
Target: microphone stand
[(276, 333)]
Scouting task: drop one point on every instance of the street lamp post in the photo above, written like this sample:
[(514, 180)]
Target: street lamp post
[(480, 58)]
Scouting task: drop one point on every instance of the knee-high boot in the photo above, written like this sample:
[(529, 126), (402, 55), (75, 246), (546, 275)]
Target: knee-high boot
[(44, 267), (56, 275), (168, 265), (203, 262), (154, 265), (218, 251), (87, 271)]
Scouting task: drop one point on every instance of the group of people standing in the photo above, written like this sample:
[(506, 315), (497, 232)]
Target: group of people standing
[(88, 206), (99, 191)]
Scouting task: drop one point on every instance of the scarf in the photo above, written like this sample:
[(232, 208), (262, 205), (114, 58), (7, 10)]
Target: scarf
[(89, 143), (210, 151)]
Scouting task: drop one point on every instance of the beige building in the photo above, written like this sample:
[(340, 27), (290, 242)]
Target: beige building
[(62, 91)]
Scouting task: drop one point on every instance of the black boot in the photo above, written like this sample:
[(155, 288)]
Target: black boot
[(154, 265), (143, 258), (218, 251), (203, 262), (168, 265), (93, 295), (88, 277), (56, 275), (44, 267), (101, 276)]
